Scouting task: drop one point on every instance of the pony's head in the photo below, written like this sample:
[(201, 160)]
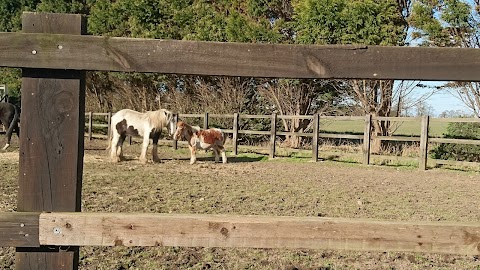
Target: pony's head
[(171, 122), (179, 132)]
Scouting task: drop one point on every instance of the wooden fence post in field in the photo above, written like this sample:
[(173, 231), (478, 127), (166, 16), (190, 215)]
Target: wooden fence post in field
[(109, 123), (273, 135), (205, 121), (424, 143), (51, 145), (367, 133), (90, 125), (235, 134), (316, 128), (175, 142)]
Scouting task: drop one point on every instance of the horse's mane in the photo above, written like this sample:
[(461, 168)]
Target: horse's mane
[(190, 127), (158, 119)]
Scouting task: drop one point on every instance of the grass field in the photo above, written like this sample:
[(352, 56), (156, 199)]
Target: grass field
[(250, 184), (436, 129)]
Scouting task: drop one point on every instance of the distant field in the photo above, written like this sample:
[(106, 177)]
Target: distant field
[(401, 128)]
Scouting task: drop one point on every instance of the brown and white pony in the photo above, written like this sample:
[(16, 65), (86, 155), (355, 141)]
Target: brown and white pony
[(212, 138), (9, 117), (147, 125)]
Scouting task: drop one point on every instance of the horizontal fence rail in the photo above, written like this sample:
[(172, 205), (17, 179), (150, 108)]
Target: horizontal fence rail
[(190, 230), (59, 51), (366, 147)]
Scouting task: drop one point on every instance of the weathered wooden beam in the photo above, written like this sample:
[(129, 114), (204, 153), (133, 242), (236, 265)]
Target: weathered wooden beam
[(111, 229), (32, 50), (19, 229), (51, 145)]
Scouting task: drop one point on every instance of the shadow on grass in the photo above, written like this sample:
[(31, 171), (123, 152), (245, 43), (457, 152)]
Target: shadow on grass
[(239, 159)]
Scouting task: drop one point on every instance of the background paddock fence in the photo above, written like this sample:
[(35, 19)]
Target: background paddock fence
[(366, 138), (50, 193)]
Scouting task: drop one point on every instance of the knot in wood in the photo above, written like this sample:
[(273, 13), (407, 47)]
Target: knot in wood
[(224, 231)]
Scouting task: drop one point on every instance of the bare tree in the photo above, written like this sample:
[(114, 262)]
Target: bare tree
[(298, 97), (376, 99), (468, 93)]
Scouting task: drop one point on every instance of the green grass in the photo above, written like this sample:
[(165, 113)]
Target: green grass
[(402, 128)]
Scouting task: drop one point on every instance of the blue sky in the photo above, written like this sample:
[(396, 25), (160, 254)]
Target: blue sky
[(443, 101)]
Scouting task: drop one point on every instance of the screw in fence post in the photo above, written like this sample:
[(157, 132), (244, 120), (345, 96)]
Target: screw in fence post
[(424, 143), (367, 136), (273, 135), (316, 127), (235, 134)]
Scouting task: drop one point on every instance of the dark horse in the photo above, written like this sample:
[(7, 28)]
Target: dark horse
[(9, 117)]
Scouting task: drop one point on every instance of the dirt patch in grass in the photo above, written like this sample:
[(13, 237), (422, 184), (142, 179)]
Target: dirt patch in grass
[(249, 185)]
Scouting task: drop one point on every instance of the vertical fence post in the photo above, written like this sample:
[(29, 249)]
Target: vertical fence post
[(175, 142), (235, 134), (51, 145), (367, 135), (205, 121), (424, 143), (316, 128), (90, 125), (273, 135), (109, 123)]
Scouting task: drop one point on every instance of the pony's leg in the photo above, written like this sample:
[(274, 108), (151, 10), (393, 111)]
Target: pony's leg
[(217, 154), (193, 158), (154, 148), (9, 136), (114, 145), (8, 142), (120, 147), (146, 141), (224, 155)]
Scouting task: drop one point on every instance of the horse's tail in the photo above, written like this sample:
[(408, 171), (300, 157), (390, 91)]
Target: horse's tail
[(13, 125)]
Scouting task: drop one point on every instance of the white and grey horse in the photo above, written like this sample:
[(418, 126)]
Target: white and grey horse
[(147, 125), (9, 117), (212, 138)]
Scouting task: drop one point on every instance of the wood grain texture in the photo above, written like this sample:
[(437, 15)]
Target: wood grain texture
[(422, 162), (367, 136), (273, 135), (19, 230), (112, 229), (235, 134), (316, 129), (51, 144), (237, 59)]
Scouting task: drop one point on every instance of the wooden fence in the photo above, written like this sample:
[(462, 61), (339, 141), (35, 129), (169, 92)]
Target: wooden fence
[(54, 56), (424, 139)]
